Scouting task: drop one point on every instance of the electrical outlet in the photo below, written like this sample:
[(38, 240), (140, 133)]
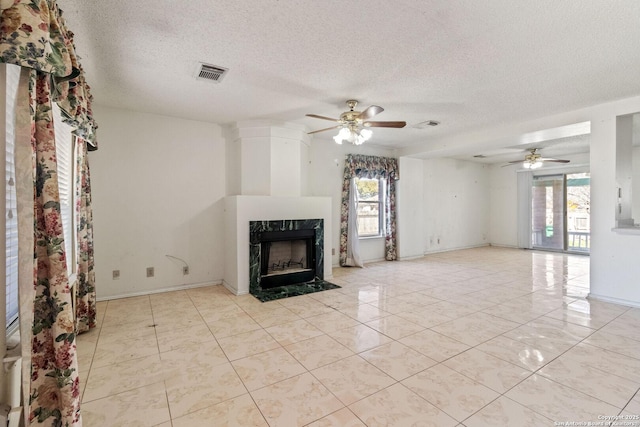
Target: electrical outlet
[(185, 270), (333, 251), (116, 274), (150, 272)]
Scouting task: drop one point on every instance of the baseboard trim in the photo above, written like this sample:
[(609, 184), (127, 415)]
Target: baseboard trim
[(498, 245), (232, 289), (368, 261), (409, 258), (618, 301), (484, 245), (161, 291)]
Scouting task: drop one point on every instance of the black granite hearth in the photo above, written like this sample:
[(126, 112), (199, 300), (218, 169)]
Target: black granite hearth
[(287, 291)]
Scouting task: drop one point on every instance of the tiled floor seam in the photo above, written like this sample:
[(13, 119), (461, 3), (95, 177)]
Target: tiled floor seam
[(121, 392), (630, 400)]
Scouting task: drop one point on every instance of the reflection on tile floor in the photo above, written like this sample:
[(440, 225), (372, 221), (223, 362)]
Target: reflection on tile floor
[(478, 337)]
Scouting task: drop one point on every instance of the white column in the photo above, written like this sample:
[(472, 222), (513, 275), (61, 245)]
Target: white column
[(272, 158)]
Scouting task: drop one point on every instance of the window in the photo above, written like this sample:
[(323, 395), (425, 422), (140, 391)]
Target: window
[(370, 207), (65, 149)]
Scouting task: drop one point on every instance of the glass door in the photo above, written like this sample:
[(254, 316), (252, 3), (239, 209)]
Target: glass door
[(578, 212), (548, 212), (560, 212)]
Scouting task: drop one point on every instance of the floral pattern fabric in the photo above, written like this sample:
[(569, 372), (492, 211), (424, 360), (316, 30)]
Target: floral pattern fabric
[(372, 167), (34, 35), (86, 291), (54, 397)]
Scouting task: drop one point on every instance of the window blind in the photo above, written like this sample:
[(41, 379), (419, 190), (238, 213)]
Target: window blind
[(11, 217), (66, 187)]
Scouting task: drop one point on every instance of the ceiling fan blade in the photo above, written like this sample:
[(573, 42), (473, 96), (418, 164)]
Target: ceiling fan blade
[(385, 124), (554, 160), (322, 130), (370, 112), (513, 162), (315, 116)]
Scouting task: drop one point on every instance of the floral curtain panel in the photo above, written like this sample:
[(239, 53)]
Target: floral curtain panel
[(86, 292), (54, 389), (372, 167), (34, 36)]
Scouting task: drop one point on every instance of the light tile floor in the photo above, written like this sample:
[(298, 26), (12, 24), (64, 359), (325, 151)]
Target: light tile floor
[(479, 337)]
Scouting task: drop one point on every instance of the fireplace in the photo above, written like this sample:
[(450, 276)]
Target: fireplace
[(286, 252), (287, 257)]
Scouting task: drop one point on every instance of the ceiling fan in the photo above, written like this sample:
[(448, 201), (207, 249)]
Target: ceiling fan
[(534, 160), (353, 124)]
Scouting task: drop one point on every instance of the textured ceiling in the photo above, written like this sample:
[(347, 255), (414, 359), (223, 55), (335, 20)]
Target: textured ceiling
[(469, 64)]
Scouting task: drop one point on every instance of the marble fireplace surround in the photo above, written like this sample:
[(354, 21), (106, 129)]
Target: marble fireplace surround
[(256, 228)]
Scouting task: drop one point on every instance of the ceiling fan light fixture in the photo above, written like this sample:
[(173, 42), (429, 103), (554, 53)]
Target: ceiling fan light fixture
[(343, 134), (353, 124), (353, 135), (529, 164), (534, 160)]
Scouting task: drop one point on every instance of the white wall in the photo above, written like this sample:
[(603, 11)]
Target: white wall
[(158, 184), (326, 170), (503, 205), (410, 206), (456, 204), (614, 255), (233, 165)]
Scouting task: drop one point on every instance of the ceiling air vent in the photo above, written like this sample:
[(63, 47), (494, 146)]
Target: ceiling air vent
[(211, 72), (428, 123)]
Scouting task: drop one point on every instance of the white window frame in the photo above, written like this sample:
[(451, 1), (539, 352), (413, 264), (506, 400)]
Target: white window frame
[(380, 203)]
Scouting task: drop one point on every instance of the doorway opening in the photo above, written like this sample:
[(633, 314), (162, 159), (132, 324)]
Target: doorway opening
[(560, 212)]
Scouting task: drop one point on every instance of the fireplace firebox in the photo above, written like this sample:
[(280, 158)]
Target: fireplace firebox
[(287, 257), (286, 252)]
